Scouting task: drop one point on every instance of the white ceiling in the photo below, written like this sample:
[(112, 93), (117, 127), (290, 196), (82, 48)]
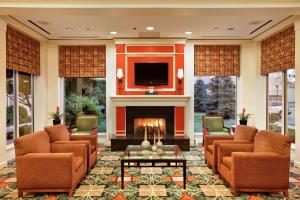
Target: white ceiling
[(205, 23)]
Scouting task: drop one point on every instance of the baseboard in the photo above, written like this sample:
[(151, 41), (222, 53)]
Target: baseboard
[(297, 164)]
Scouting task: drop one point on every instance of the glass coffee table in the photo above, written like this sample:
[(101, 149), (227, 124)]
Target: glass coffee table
[(134, 154)]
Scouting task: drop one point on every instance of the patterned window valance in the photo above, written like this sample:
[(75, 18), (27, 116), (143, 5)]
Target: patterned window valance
[(217, 60), (22, 52), (82, 61), (278, 52)]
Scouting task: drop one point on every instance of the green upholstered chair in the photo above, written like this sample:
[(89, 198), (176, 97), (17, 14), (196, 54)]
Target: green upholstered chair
[(213, 125), (86, 125)]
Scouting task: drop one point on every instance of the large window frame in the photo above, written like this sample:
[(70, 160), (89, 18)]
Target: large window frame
[(236, 103), (16, 104), (63, 95), (284, 99)]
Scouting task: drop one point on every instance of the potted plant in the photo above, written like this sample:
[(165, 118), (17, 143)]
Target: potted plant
[(244, 117), (56, 116)]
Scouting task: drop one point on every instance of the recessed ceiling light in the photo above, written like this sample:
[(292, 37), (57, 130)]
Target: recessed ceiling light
[(216, 28), (69, 29), (87, 28), (150, 28), (113, 32), (188, 32), (230, 29)]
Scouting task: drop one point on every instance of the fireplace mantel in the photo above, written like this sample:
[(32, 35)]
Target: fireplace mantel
[(150, 100)]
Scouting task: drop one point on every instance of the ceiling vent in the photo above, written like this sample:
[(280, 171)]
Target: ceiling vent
[(78, 37), (221, 37), (39, 27), (261, 26), (149, 34)]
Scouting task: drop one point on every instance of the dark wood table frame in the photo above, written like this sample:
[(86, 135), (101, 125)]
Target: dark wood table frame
[(153, 162)]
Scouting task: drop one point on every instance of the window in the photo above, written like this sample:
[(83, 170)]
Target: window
[(85, 96), (281, 102), (214, 95), (19, 94)]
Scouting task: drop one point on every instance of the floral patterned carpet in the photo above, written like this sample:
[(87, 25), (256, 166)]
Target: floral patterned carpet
[(156, 183)]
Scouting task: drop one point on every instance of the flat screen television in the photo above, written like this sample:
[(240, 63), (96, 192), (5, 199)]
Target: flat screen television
[(151, 73)]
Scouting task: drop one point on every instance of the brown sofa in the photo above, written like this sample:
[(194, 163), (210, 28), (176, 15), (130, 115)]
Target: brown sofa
[(259, 167), (41, 168), (243, 134), (59, 134)]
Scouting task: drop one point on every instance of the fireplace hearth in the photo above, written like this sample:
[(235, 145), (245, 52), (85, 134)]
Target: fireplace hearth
[(137, 117)]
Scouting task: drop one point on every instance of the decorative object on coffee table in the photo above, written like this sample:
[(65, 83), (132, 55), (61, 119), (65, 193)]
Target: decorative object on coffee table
[(159, 144), (145, 144), (154, 147), (244, 117), (56, 116)]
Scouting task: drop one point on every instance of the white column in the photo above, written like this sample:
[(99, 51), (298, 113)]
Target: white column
[(3, 156), (53, 83), (40, 91), (189, 90), (110, 90), (297, 94)]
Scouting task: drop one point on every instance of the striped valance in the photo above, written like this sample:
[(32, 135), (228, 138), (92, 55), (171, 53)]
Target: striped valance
[(82, 61), (217, 60), (278, 52), (22, 52)]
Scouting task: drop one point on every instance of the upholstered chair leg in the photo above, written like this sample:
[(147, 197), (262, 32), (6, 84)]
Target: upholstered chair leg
[(235, 192), (71, 193), (286, 193), (20, 194)]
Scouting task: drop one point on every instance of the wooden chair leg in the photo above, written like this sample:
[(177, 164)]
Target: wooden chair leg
[(286, 193), (20, 194)]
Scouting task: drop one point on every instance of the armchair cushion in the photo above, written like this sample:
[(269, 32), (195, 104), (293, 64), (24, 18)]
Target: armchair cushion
[(213, 123), (267, 141), (86, 122), (32, 143), (245, 133), (58, 133)]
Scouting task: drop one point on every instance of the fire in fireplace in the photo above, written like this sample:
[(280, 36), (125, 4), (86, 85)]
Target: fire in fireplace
[(152, 125)]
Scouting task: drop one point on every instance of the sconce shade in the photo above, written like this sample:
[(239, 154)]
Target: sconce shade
[(180, 74), (119, 73)]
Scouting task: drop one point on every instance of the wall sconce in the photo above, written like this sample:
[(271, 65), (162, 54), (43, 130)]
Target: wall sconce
[(180, 77), (120, 77)]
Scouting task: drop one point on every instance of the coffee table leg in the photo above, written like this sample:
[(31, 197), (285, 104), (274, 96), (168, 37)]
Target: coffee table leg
[(184, 173), (122, 174)]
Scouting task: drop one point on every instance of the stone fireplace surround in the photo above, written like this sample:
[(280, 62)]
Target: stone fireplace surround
[(166, 112)]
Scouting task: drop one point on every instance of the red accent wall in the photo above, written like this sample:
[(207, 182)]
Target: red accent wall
[(179, 120), (120, 120), (128, 55)]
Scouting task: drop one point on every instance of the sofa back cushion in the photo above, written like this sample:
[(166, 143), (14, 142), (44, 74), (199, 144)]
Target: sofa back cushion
[(57, 133), (245, 133), (268, 141), (32, 143)]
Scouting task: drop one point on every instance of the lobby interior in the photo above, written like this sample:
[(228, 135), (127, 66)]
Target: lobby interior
[(159, 67)]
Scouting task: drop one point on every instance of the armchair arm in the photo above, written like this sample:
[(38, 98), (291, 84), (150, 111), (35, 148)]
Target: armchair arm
[(209, 139), (260, 170), (92, 138), (45, 170), (227, 149), (78, 149)]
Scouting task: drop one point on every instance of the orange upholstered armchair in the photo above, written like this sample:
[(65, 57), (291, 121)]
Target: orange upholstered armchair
[(41, 168), (259, 167), (243, 134), (59, 134)]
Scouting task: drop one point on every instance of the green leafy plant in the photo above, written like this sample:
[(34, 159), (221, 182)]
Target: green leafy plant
[(243, 116)]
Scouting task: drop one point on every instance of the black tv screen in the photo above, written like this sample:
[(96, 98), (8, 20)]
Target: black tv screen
[(151, 73)]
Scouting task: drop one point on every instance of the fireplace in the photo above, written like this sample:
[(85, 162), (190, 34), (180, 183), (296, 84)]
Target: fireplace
[(138, 117)]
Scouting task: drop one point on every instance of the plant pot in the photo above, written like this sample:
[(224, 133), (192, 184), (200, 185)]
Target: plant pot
[(56, 121), (243, 122)]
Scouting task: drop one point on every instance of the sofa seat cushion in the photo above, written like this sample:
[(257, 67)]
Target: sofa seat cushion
[(210, 149), (93, 148), (227, 161), (77, 162), (58, 133)]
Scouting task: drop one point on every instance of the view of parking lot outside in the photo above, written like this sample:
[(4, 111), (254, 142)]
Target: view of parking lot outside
[(85, 96), (214, 96), (275, 98)]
